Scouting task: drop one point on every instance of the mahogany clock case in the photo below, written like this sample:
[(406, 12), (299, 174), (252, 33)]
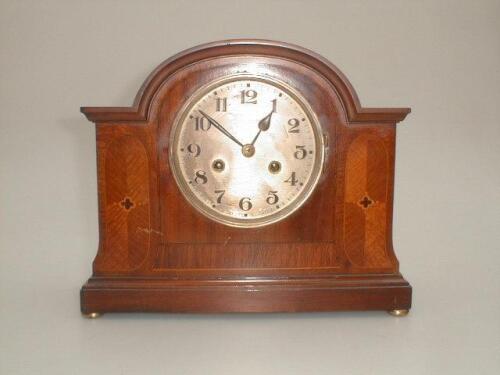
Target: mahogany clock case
[(158, 254)]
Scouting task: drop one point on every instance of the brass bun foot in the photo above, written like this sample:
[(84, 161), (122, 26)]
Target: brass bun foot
[(399, 313), (92, 315)]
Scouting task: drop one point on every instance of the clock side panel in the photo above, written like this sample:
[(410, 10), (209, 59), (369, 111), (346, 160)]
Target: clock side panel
[(366, 202), (126, 167)]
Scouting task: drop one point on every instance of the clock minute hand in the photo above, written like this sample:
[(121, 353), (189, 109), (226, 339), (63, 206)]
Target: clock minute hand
[(220, 128)]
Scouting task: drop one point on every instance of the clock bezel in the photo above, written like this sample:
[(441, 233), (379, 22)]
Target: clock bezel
[(278, 215)]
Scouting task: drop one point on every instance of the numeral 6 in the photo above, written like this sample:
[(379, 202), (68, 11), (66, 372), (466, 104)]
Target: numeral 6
[(245, 204)]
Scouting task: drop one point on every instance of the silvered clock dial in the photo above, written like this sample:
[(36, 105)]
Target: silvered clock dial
[(246, 151)]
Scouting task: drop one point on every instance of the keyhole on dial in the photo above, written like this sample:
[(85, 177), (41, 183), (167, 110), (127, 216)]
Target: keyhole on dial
[(218, 165), (274, 167)]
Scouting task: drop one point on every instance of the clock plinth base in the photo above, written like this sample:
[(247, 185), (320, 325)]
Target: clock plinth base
[(389, 292)]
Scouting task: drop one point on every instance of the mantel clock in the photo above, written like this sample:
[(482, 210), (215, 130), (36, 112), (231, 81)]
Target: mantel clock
[(246, 177)]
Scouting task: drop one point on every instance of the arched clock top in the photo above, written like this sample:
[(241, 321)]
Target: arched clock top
[(140, 111)]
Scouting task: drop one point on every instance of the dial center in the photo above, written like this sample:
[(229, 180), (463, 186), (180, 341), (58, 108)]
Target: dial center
[(248, 150)]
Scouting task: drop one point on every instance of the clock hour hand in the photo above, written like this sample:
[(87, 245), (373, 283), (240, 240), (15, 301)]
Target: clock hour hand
[(220, 128), (264, 124)]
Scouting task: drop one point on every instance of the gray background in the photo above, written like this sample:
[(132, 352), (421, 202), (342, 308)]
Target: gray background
[(442, 58)]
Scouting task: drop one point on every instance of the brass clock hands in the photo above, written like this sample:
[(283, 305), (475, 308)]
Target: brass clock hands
[(248, 150), (264, 125), (220, 128)]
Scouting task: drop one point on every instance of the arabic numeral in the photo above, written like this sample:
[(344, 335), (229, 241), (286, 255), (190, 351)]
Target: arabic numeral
[(301, 152), (274, 105), (248, 96), (221, 104), (292, 180), (294, 125), (200, 177), (272, 198), (245, 204), (220, 195), (201, 123), (194, 149)]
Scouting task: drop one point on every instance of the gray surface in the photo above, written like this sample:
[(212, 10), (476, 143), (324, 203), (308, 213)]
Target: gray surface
[(440, 58)]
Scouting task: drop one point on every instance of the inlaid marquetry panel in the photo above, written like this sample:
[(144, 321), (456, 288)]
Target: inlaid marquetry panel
[(366, 194), (126, 205)]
